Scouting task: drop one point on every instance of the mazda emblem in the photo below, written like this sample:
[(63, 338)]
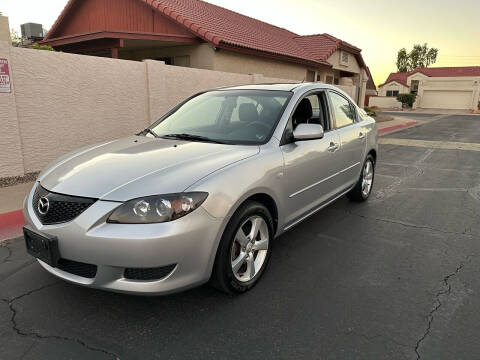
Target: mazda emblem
[(43, 205)]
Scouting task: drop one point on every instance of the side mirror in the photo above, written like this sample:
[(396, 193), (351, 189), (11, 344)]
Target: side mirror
[(308, 132)]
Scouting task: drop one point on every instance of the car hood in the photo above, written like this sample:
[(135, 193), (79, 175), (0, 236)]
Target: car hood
[(138, 166)]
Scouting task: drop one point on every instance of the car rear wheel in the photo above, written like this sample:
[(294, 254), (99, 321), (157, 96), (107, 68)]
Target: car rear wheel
[(244, 250), (363, 188)]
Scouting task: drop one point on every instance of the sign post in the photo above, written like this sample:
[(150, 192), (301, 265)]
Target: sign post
[(4, 76)]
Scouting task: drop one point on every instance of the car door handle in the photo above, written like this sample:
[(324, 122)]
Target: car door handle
[(333, 147), (361, 135)]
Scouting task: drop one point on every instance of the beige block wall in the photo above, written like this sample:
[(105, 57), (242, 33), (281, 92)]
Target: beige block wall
[(4, 29), (351, 90), (385, 102), (240, 63), (11, 158), (67, 101)]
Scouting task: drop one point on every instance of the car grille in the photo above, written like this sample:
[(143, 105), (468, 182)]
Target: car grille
[(61, 209), (77, 268), (148, 273)]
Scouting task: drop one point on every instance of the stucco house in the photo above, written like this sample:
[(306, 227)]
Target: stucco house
[(436, 88), (198, 34)]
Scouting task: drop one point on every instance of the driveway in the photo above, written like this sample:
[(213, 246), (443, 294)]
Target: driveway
[(394, 278)]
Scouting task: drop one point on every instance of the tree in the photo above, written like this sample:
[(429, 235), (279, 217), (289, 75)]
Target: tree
[(15, 38), (420, 57), (402, 60)]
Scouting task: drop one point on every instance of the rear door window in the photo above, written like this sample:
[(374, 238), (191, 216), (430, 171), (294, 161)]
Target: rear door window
[(342, 109)]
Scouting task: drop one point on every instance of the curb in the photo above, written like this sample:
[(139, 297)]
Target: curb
[(11, 224), (11, 219), (396, 127)]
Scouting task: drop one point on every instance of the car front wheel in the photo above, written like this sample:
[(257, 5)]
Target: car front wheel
[(363, 188), (244, 250)]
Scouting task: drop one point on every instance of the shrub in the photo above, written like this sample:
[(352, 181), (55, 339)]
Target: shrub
[(36, 46), (370, 111), (407, 99)]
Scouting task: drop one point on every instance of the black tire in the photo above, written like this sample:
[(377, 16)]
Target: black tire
[(356, 194), (223, 277)]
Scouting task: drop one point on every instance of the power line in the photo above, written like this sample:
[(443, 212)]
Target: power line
[(459, 56)]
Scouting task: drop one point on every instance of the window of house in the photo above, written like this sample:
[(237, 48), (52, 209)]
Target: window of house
[(344, 58), (319, 78), (414, 87), (310, 76), (336, 81), (344, 111), (392, 93), (329, 79)]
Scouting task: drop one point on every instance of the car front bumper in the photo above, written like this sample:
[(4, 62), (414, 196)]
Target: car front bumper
[(189, 243)]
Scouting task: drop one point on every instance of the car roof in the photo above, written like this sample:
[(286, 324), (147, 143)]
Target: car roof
[(280, 86)]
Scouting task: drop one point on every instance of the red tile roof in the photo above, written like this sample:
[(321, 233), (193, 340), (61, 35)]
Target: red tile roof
[(322, 46), (400, 77), (227, 29), (221, 26), (449, 71), (462, 71)]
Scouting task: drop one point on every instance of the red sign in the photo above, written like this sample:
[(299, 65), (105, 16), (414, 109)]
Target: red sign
[(4, 77)]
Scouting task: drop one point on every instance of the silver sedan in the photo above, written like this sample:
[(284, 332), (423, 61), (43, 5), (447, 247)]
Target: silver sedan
[(201, 194)]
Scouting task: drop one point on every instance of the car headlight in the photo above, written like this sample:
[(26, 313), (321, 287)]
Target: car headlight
[(157, 209)]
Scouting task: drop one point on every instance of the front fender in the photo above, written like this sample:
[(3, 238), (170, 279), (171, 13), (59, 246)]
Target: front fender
[(231, 186)]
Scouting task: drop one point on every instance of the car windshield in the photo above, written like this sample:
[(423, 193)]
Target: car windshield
[(225, 116)]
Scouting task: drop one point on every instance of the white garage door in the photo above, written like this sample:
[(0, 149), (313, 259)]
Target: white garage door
[(441, 99)]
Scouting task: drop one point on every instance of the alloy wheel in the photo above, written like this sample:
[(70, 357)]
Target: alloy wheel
[(367, 179), (249, 248)]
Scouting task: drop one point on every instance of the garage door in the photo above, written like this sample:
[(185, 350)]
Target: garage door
[(440, 99)]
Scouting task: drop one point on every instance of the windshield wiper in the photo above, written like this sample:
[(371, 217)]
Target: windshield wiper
[(149, 131), (191, 138)]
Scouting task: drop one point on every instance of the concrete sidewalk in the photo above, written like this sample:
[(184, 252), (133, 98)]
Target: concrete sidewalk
[(398, 123), (11, 197), (434, 111)]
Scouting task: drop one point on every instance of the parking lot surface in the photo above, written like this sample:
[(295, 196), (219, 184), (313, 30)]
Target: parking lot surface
[(393, 278)]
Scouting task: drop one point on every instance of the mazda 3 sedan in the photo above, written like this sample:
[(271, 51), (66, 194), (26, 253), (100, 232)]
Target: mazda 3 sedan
[(200, 195)]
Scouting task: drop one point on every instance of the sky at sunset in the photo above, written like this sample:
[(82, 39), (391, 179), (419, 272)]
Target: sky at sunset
[(380, 28)]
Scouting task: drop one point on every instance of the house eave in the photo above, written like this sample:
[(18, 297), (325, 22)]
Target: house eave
[(102, 34)]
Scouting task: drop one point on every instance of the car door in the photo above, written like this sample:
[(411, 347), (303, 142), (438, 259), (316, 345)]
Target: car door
[(310, 165), (352, 138)]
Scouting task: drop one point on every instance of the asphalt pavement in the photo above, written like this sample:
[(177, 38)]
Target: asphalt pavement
[(393, 278)]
